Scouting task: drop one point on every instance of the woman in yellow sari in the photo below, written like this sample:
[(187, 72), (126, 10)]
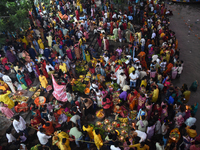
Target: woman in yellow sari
[(89, 129), (2, 83)]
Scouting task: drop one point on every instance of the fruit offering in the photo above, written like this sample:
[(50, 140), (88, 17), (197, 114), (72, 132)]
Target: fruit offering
[(100, 114), (124, 120), (106, 122), (98, 123), (32, 89)]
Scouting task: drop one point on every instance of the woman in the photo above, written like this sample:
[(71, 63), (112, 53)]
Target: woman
[(87, 56), (194, 86), (150, 130), (43, 81), (106, 43), (122, 80), (44, 71), (35, 122), (5, 110), (106, 103), (141, 101), (41, 45), (69, 53), (77, 51), (20, 78), (174, 71), (99, 41), (132, 99), (148, 106), (27, 79)]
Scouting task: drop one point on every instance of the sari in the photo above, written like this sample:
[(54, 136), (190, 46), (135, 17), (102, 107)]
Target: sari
[(194, 86), (132, 99), (21, 107), (44, 72), (141, 102), (20, 78), (35, 123)]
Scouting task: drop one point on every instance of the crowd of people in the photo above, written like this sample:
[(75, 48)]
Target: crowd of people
[(140, 68)]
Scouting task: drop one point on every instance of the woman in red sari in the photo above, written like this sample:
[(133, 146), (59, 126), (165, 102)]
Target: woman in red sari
[(35, 122), (132, 99), (111, 27), (77, 14), (44, 71)]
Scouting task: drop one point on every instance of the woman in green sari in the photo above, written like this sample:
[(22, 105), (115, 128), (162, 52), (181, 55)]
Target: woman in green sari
[(20, 78), (194, 86)]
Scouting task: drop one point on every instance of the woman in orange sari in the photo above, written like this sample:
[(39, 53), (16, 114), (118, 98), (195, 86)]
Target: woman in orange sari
[(169, 68), (132, 99)]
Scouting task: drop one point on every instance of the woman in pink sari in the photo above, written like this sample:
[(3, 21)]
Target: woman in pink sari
[(141, 101), (27, 79), (148, 106), (5, 110), (77, 14), (69, 53)]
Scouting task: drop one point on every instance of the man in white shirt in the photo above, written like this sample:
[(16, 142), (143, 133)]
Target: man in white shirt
[(115, 146), (153, 36), (133, 79), (20, 125), (48, 66), (142, 135), (8, 81), (9, 136), (43, 138), (76, 120), (30, 69), (191, 120)]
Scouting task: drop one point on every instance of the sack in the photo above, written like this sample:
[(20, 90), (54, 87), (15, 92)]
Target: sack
[(24, 87)]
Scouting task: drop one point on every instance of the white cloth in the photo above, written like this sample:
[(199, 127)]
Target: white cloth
[(10, 138), (190, 121), (142, 135), (75, 118), (159, 147), (112, 147), (142, 41), (28, 66), (19, 125), (43, 138), (122, 80), (133, 77), (8, 81), (48, 67)]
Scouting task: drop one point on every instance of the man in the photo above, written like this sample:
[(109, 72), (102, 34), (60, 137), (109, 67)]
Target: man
[(115, 146), (20, 125), (76, 119), (133, 79), (142, 124), (8, 81), (43, 138), (76, 133), (140, 146)]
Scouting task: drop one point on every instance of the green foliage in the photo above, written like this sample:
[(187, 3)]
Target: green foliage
[(13, 16)]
